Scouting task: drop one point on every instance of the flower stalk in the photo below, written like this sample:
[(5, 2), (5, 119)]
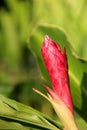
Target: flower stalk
[(64, 114)]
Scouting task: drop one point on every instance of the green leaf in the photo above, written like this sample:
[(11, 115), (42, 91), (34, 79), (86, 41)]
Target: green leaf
[(10, 124), (70, 15), (81, 124), (17, 115), (77, 68)]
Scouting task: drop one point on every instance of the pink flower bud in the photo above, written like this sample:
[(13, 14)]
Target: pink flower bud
[(56, 63)]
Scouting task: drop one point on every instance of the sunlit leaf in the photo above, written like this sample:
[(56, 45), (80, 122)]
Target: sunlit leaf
[(70, 15), (24, 116)]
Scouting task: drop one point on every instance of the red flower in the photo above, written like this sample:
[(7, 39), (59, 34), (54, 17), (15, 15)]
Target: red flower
[(56, 63)]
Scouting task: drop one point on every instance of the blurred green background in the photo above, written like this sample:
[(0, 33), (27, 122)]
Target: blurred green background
[(19, 72), (18, 68)]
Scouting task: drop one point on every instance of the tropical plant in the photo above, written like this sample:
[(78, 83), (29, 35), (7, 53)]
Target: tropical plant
[(23, 26)]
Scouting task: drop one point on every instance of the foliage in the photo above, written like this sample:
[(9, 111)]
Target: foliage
[(21, 116), (23, 25)]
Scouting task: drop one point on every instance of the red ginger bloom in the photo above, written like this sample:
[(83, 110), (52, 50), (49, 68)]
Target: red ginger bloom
[(56, 63)]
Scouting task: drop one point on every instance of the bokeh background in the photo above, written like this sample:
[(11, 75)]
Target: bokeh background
[(19, 71)]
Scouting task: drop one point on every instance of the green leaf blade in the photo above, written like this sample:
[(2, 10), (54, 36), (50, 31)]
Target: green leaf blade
[(15, 112)]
